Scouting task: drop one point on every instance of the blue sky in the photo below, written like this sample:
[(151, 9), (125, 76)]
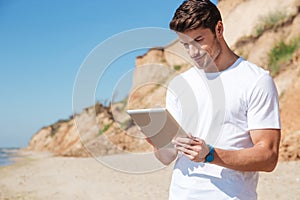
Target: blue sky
[(42, 46)]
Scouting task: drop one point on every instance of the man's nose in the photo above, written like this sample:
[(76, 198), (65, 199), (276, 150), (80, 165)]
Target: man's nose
[(193, 51)]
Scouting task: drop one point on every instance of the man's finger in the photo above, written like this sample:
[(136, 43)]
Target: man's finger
[(183, 140), (185, 150)]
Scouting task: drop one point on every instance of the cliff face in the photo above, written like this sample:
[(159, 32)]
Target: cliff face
[(60, 138), (152, 73), (106, 130), (100, 134), (290, 110)]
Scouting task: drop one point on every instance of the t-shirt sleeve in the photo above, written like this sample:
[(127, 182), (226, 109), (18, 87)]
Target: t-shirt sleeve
[(263, 105)]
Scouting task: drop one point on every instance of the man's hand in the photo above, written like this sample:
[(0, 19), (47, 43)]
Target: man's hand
[(192, 147)]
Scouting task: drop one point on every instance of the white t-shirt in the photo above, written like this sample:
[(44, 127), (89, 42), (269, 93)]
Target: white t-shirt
[(220, 108)]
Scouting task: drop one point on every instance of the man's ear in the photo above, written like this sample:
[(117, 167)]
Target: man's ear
[(219, 29)]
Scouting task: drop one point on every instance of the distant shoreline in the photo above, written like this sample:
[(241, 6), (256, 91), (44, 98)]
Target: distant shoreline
[(7, 156)]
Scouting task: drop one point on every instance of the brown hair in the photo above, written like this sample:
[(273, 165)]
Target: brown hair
[(193, 14)]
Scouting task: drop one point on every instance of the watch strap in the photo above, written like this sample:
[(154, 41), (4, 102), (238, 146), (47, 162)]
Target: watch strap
[(210, 156)]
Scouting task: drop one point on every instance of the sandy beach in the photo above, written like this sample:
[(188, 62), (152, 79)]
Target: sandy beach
[(42, 176)]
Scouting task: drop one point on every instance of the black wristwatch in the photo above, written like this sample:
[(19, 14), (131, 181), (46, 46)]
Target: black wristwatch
[(210, 156)]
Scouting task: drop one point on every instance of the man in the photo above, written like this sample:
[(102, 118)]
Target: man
[(249, 135)]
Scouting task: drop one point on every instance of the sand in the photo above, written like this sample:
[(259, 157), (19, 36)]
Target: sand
[(43, 176)]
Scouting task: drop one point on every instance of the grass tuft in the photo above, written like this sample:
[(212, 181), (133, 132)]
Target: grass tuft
[(282, 53)]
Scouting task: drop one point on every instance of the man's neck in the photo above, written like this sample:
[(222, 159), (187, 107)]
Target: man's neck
[(226, 58)]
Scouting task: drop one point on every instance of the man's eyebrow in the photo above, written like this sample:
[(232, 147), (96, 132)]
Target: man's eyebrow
[(196, 38)]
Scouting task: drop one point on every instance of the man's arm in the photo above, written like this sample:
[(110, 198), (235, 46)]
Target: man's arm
[(262, 156)]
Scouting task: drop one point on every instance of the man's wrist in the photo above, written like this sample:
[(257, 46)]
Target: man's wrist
[(210, 156)]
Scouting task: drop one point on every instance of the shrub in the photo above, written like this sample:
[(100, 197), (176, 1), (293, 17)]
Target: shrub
[(281, 53), (105, 128), (270, 21), (177, 67)]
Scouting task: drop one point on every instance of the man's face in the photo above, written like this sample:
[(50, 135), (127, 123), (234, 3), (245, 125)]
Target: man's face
[(202, 46)]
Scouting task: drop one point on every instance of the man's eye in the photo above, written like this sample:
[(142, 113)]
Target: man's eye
[(198, 40)]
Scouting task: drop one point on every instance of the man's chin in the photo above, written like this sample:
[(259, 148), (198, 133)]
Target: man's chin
[(207, 67), (201, 64)]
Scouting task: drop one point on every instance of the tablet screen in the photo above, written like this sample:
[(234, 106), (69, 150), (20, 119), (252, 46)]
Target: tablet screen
[(158, 125)]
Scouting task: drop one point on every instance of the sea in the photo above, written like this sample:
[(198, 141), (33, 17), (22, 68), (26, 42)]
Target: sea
[(6, 155)]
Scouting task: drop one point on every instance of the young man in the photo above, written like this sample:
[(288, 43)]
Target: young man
[(249, 135)]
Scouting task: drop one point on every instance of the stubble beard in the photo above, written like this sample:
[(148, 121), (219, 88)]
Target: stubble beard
[(207, 62)]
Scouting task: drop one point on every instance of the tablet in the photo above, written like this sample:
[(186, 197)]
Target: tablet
[(158, 125)]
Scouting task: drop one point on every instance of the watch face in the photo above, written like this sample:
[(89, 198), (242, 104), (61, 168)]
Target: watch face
[(209, 158)]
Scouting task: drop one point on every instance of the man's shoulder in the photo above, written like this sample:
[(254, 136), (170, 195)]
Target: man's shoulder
[(249, 68), (244, 76), (256, 76)]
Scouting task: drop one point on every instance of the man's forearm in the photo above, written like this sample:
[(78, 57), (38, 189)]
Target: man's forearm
[(263, 156), (256, 158)]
